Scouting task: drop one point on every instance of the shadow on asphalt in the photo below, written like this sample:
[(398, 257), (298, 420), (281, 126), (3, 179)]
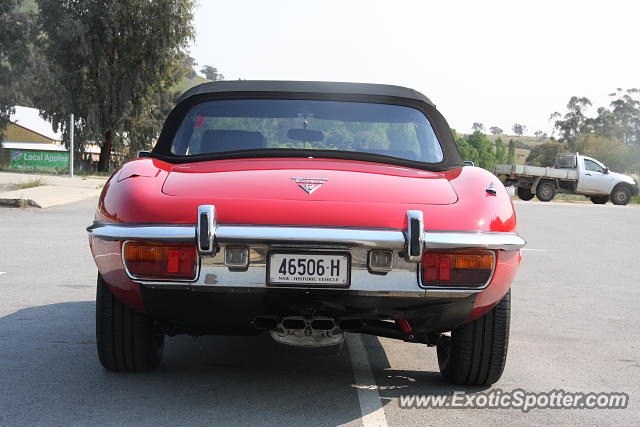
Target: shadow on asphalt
[(393, 383), (51, 375)]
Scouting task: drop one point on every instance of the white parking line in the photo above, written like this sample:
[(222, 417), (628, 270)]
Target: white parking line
[(534, 250), (2, 272), (370, 406)]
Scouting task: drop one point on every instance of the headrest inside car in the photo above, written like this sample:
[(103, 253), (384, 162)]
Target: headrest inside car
[(216, 141)]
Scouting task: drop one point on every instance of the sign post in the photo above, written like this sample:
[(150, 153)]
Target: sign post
[(71, 148)]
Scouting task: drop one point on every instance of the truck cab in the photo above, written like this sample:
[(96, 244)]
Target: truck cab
[(594, 178)]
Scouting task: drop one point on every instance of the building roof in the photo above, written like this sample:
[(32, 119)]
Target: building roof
[(38, 146), (305, 87), (30, 118), (17, 133)]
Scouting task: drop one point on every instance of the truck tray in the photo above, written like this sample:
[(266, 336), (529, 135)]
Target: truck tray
[(564, 174)]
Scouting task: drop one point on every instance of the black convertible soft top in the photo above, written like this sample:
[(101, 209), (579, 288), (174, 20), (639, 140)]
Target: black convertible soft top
[(334, 91), (305, 87)]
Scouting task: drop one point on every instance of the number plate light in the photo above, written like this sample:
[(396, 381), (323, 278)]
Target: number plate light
[(380, 261), (236, 258)]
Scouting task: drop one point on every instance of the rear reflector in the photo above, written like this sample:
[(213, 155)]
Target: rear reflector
[(160, 261), (457, 268)]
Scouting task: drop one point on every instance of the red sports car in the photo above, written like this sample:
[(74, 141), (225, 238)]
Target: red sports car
[(306, 210)]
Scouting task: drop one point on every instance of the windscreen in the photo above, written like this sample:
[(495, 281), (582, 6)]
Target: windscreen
[(270, 124)]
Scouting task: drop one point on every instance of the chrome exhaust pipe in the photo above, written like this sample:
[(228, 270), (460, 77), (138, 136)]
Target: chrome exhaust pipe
[(294, 323), (297, 323), (322, 324), (307, 332)]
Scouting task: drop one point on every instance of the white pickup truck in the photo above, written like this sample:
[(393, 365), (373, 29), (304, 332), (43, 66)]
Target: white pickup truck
[(572, 173)]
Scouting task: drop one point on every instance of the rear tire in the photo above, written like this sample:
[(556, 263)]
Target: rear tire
[(620, 195), (599, 200), (546, 191), (127, 341), (476, 352), (525, 194)]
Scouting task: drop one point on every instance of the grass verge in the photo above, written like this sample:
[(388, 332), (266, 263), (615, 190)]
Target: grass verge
[(22, 203), (35, 182)]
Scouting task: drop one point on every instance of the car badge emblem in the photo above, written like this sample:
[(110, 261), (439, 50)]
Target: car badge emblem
[(309, 184)]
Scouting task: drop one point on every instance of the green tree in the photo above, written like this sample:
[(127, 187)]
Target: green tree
[(15, 46), (106, 58), (605, 123), (611, 151), (468, 152), (511, 152), (545, 154), (189, 63), (486, 156), (606, 135), (142, 128), (212, 73), (477, 127), (540, 135), (574, 122), (501, 151), (495, 130), (625, 115), (519, 129)]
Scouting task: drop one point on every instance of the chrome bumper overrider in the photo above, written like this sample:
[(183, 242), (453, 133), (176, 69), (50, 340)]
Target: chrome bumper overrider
[(407, 245)]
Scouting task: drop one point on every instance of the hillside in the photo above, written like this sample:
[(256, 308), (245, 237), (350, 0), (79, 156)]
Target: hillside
[(524, 140), (524, 144)]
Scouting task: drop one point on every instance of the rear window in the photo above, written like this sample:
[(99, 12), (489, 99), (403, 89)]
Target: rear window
[(264, 124)]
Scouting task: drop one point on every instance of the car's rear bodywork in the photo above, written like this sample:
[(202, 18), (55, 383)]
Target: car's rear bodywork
[(389, 220)]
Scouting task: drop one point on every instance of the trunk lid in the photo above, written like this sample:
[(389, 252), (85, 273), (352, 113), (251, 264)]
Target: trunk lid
[(309, 180)]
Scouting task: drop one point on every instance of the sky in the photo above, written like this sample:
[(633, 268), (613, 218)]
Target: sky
[(493, 62)]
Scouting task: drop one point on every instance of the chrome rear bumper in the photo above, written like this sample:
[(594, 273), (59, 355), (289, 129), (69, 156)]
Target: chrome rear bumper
[(329, 237), (407, 246)]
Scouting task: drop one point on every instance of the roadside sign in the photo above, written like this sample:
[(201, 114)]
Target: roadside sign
[(39, 160)]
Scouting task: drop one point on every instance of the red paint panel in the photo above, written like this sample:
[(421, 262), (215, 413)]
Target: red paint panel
[(108, 258), (366, 184), (506, 268), (363, 205)]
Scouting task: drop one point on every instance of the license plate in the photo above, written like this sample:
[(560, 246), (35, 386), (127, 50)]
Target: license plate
[(309, 269)]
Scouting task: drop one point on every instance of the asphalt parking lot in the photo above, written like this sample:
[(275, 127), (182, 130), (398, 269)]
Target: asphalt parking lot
[(575, 326)]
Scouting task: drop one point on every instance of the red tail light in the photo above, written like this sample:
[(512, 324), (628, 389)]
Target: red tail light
[(160, 261), (468, 268)]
